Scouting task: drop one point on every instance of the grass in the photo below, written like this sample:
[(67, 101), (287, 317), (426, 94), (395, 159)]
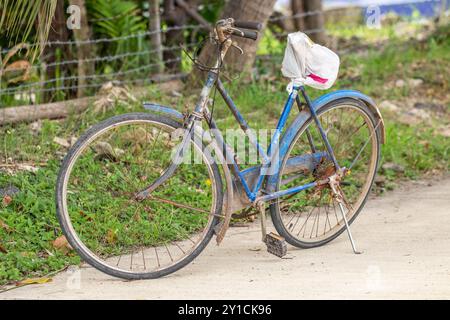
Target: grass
[(29, 225)]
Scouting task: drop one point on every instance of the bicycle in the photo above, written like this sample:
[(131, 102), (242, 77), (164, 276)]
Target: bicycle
[(131, 208)]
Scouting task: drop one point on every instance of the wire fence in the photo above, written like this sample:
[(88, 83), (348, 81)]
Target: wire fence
[(132, 65), (25, 84)]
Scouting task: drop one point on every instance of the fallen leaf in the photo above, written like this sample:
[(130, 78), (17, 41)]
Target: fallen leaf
[(137, 217), (415, 82), (62, 244), (2, 249), (400, 83), (380, 180), (409, 119), (5, 226), (111, 236), (420, 113), (33, 281), (73, 140), (175, 94), (36, 127), (389, 106), (61, 142), (104, 149), (27, 167), (18, 71), (393, 166), (6, 200), (445, 132)]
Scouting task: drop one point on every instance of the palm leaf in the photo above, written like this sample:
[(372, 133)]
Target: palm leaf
[(19, 17)]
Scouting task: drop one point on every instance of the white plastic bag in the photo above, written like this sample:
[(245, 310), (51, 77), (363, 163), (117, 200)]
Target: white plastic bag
[(307, 63)]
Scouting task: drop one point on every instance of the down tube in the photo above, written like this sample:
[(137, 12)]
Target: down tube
[(276, 137)]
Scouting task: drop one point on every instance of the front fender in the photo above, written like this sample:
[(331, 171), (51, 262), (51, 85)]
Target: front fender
[(167, 111), (317, 104)]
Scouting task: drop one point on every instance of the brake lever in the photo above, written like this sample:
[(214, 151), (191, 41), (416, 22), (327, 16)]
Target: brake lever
[(234, 44), (231, 29)]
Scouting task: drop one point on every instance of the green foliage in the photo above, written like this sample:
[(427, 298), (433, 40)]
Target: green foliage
[(210, 10), (31, 217), (118, 18)]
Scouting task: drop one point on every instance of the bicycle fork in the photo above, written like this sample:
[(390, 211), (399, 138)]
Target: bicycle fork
[(185, 143), (178, 156)]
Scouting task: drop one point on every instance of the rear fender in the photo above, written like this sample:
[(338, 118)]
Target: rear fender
[(304, 116)]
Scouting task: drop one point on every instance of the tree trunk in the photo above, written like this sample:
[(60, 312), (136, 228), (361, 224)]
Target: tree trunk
[(297, 9), (84, 50), (58, 32), (314, 24), (174, 16), (244, 10), (155, 28)]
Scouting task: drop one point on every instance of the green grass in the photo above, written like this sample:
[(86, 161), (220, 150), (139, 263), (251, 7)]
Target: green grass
[(420, 149)]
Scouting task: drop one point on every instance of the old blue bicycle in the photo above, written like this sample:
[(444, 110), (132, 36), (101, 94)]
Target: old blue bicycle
[(140, 195)]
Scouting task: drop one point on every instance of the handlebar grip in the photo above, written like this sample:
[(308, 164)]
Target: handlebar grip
[(253, 25), (253, 35)]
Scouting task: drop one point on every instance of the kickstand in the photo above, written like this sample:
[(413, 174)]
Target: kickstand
[(340, 200), (262, 211)]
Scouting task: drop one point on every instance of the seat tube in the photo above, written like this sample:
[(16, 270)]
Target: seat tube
[(319, 126)]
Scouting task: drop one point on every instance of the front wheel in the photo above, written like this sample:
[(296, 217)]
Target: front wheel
[(312, 218), (103, 219)]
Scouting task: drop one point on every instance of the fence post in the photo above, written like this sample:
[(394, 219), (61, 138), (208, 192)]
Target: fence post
[(442, 16), (1, 74), (315, 22), (43, 73), (297, 9), (174, 16), (155, 28), (84, 49)]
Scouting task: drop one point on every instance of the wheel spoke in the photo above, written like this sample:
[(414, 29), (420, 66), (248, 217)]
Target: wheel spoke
[(308, 219), (364, 146), (125, 236), (177, 204)]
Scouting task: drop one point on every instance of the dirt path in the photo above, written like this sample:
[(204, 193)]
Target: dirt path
[(404, 236)]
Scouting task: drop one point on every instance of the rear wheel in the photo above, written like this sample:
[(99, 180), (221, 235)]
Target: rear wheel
[(312, 218), (98, 209)]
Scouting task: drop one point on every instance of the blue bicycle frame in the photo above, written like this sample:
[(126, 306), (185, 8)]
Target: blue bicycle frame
[(279, 144), (270, 157)]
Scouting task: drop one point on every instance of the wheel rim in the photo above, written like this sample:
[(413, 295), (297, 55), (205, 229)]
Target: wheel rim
[(156, 234), (313, 216)]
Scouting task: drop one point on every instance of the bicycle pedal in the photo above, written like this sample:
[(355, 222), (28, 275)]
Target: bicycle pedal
[(276, 245)]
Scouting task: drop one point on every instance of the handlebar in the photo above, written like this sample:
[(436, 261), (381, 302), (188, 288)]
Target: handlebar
[(248, 34), (244, 29), (221, 33), (252, 25)]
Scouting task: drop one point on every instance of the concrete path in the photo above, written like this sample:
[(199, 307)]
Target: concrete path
[(405, 237)]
